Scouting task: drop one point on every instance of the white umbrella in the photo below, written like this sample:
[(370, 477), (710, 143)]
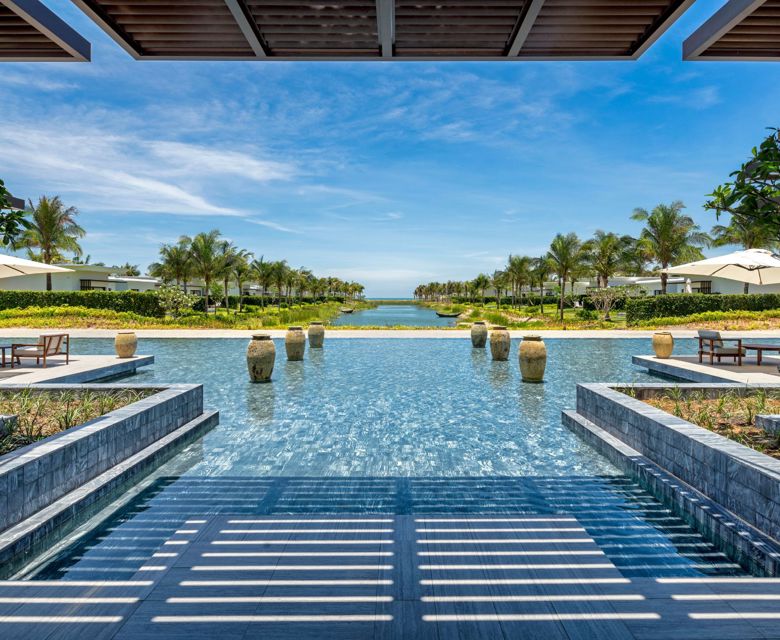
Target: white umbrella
[(11, 266), (756, 266)]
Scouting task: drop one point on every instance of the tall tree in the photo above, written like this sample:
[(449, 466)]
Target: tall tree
[(280, 275), (754, 192), (566, 256), (242, 272), (53, 229), (175, 264), (480, 283), (540, 271), (264, 274), (207, 256), (670, 237), (518, 273), (606, 254), (12, 220)]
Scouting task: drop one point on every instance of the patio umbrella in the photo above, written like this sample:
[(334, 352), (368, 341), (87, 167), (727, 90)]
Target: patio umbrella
[(754, 266), (11, 266)]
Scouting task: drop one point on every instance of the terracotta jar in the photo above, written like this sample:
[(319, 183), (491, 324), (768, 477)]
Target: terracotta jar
[(260, 357), (479, 334), (125, 344), (499, 343), (533, 358), (316, 335), (295, 343), (663, 344)]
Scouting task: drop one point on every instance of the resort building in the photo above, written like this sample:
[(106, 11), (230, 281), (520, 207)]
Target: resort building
[(82, 277)]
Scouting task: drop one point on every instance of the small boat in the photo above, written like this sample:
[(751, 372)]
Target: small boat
[(345, 310), (442, 314)]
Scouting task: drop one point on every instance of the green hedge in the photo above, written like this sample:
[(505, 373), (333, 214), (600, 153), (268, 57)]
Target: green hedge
[(687, 304), (144, 304)]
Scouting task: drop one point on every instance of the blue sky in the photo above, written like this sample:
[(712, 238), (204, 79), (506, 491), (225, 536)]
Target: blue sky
[(386, 173)]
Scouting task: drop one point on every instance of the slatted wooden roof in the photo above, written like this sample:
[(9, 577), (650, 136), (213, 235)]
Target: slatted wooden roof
[(374, 29), (740, 30), (29, 32)]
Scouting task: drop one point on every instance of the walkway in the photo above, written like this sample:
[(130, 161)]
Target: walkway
[(585, 558), (81, 369), (689, 368)]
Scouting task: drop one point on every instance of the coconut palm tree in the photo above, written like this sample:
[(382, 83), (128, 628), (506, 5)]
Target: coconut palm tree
[(499, 282), (606, 254), (480, 283), (53, 229), (175, 263), (517, 270), (670, 236), (206, 253), (540, 271), (242, 272), (566, 256), (279, 278), (264, 274)]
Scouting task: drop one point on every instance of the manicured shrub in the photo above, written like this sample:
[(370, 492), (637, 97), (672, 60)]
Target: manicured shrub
[(688, 304), (145, 304)]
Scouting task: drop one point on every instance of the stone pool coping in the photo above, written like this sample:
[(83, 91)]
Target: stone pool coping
[(734, 478), (385, 333), (76, 465)]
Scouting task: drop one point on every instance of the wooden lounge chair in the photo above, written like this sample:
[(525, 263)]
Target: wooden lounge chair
[(711, 344), (48, 345)]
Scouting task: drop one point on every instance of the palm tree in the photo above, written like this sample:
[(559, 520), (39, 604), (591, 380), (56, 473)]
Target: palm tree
[(242, 271), (279, 278), (499, 282), (480, 283), (606, 253), (53, 229), (566, 257), (128, 269), (264, 274), (207, 256), (669, 236), (175, 263), (517, 271), (540, 270)]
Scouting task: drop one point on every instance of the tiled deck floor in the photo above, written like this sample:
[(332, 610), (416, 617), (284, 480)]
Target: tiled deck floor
[(229, 557), (521, 576)]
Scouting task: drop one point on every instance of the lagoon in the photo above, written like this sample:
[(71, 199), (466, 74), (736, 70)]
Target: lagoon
[(391, 315)]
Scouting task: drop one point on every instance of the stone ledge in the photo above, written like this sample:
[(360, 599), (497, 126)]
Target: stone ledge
[(36, 533), (33, 477), (741, 480), (747, 545)]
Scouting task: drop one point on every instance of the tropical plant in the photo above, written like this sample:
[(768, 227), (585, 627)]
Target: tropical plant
[(606, 255), (175, 263), (264, 274), (127, 269), (480, 283), (566, 255), (242, 272), (540, 271), (670, 237), (754, 192), (279, 278), (518, 271), (52, 230), (12, 221), (207, 256), (174, 301)]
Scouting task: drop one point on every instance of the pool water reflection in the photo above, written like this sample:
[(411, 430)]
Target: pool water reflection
[(395, 426)]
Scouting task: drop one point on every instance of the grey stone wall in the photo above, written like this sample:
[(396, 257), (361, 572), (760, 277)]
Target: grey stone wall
[(744, 481), (33, 477)]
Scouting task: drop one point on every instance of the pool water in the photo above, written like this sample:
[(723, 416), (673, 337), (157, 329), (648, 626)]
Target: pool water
[(391, 315), (395, 426)]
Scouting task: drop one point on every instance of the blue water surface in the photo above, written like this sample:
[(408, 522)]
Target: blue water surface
[(391, 315)]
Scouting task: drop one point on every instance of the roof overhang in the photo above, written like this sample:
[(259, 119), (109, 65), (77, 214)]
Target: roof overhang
[(30, 32), (385, 29), (741, 30), (16, 203)]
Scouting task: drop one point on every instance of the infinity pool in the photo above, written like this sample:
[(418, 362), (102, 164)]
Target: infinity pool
[(393, 426)]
